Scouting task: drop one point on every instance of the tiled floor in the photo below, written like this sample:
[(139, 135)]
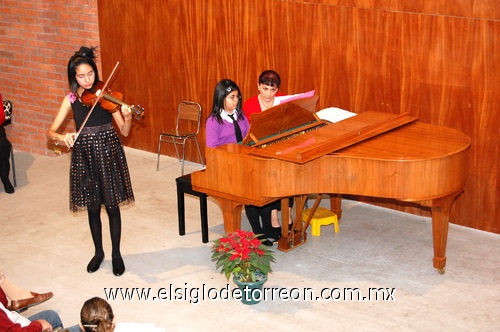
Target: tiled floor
[(45, 248)]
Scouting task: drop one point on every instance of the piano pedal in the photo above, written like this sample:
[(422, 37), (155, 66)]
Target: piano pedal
[(292, 241)]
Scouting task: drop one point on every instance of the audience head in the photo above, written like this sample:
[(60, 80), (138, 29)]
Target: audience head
[(97, 316), (85, 55), (227, 96)]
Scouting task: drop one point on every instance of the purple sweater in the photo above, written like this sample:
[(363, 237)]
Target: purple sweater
[(219, 134)]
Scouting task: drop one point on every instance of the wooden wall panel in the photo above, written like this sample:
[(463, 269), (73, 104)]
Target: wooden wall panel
[(436, 59), (482, 123)]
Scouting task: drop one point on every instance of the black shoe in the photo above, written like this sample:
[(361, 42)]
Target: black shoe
[(267, 243), (95, 263), (118, 266), (275, 234), (9, 188)]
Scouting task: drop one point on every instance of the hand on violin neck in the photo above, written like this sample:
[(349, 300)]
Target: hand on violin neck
[(126, 112)]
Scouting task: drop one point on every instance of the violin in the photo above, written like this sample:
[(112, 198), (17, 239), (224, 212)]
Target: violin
[(111, 101)]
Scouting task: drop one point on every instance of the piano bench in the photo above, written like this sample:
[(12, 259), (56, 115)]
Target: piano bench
[(321, 217), (184, 187)]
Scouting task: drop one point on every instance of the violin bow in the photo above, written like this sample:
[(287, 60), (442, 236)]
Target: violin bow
[(97, 100)]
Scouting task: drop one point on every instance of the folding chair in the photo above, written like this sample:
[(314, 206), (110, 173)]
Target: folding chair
[(187, 126)]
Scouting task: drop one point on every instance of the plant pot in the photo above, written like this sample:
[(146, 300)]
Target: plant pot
[(251, 292)]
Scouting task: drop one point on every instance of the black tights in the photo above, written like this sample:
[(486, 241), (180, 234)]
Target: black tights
[(260, 218), (115, 227)]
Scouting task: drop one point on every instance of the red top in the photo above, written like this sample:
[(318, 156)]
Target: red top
[(2, 113), (252, 106)]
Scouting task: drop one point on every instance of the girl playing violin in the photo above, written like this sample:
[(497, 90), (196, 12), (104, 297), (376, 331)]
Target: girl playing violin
[(98, 173)]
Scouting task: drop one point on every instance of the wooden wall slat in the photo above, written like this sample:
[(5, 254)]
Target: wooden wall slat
[(436, 59), (481, 9), (483, 125)]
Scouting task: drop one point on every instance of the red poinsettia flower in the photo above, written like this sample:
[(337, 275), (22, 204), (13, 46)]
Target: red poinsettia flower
[(242, 254)]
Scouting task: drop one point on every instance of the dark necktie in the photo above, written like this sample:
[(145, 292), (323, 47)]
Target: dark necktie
[(237, 129)]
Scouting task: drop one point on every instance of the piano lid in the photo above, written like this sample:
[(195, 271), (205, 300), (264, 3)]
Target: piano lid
[(293, 132)]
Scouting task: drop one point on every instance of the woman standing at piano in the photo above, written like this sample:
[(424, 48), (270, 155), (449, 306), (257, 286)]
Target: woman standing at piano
[(268, 87), (99, 173)]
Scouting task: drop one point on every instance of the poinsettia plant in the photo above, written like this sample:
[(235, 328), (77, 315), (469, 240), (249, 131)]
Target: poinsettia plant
[(241, 253)]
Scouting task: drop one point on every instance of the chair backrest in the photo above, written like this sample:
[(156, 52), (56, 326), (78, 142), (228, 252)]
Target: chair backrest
[(189, 111)]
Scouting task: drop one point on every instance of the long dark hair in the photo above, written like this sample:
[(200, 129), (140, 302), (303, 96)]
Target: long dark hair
[(222, 90), (85, 55)]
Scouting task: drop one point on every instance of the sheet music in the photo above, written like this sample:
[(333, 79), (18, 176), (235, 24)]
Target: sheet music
[(284, 99), (334, 114)]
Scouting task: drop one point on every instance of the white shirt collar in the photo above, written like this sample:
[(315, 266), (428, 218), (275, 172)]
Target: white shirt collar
[(225, 115)]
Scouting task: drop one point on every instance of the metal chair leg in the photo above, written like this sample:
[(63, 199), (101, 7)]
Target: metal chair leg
[(176, 149), (199, 152), (159, 152), (183, 154)]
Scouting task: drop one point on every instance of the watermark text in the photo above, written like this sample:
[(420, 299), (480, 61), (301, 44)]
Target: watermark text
[(196, 295)]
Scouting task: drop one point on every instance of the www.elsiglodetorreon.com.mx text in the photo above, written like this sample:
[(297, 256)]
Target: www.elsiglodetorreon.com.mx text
[(196, 295)]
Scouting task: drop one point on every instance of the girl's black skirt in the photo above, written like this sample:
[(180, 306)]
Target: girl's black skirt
[(99, 172)]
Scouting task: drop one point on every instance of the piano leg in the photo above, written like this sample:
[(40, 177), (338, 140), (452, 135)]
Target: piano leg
[(440, 208), (294, 237), (336, 204), (231, 214)]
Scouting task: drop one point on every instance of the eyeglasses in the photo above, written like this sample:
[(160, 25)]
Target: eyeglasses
[(233, 97)]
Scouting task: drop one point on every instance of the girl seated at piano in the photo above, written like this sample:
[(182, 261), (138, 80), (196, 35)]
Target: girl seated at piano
[(227, 124)]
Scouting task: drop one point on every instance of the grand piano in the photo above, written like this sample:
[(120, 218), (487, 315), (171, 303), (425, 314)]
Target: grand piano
[(289, 151)]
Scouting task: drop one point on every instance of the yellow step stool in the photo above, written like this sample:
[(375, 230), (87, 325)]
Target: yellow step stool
[(321, 217)]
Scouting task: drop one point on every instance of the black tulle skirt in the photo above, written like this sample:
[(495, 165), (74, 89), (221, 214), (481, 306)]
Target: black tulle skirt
[(99, 172)]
